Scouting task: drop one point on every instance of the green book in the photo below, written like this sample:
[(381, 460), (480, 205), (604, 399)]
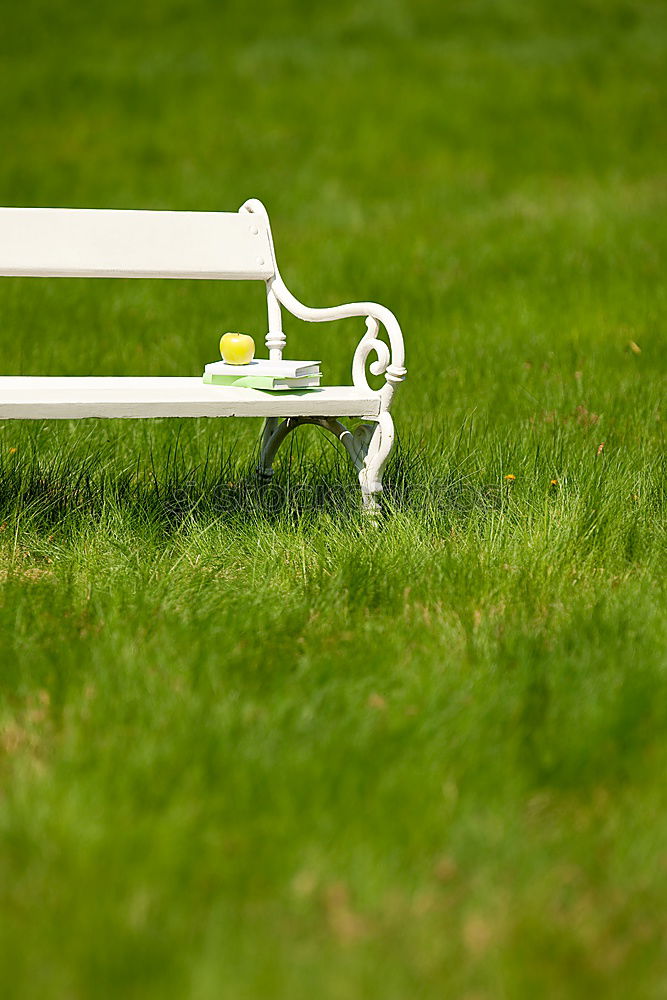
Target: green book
[(269, 382)]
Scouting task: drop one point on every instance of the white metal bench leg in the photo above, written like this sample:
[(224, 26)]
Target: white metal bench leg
[(373, 459), (368, 446), (268, 430)]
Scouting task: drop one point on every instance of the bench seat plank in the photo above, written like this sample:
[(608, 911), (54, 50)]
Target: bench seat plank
[(52, 397)]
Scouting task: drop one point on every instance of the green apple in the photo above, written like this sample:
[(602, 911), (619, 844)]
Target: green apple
[(237, 348)]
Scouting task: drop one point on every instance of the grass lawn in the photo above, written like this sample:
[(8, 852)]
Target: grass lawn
[(250, 745)]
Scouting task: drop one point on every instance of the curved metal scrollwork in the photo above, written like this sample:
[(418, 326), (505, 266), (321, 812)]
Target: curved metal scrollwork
[(368, 345), (368, 445), (371, 344)]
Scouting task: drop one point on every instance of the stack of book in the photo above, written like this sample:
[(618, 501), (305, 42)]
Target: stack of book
[(260, 374)]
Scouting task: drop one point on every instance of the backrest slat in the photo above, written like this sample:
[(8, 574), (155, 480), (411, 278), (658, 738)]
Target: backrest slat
[(106, 243)]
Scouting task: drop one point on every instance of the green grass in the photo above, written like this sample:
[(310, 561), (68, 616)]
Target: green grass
[(250, 745)]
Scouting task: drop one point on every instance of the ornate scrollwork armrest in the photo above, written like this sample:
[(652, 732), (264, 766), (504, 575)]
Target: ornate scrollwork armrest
[(390, 357), (369, 344)]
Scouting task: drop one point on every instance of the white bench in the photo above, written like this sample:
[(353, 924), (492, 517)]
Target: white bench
[(92, 243)]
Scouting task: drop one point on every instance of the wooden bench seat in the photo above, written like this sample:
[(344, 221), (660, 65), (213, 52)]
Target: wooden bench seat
[(39, 397)]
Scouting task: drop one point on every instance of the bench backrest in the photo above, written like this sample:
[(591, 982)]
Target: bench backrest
[(105, 243)]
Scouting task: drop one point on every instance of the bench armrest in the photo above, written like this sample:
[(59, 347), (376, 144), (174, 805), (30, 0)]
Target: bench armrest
[(390, 358)]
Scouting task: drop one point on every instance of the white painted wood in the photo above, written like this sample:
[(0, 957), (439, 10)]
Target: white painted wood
[(104, 243), (129, 244), (27, 397)]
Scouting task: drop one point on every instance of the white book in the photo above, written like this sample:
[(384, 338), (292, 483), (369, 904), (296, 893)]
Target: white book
[(261, 366)]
